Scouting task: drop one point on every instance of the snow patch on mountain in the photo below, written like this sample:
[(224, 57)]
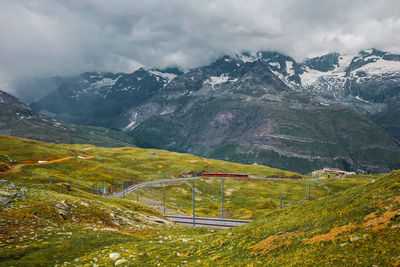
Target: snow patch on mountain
[(362, 100), (369, 51), (380, 67), (104, 82), (130, 126), (371, 58), (310, 76), (216, 80), (344, 63), (275, 64), (168, 76), (249, 57), (289, 68)]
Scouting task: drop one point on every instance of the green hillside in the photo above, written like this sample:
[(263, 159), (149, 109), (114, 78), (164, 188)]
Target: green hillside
[(49, 221), (17, 119), (243, 199)]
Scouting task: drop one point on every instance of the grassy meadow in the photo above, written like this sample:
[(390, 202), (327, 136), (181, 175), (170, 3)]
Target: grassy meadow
[(48, 220), (243, 199)]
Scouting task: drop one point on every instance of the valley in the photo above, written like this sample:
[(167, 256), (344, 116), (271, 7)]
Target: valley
[(199, 133), (252, 107), (51, 218)]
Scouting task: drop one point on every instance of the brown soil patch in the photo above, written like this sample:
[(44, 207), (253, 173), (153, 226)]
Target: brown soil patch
[(372, 222), (273, 242), (370, 216), (331, 235), (16, 167), (377, 223), (48, 159), (395, 198)]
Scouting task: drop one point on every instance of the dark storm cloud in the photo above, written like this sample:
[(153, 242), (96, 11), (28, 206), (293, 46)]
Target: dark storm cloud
[(47, 37)]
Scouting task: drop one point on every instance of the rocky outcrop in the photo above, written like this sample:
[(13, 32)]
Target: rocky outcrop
[(9, 192), (259, 107)]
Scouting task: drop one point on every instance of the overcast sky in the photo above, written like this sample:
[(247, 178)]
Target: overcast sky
[(48, 37)]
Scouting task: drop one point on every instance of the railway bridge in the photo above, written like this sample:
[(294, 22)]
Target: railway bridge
[(193, 220)]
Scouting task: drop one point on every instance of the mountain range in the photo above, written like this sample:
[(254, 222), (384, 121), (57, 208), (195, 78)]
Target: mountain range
[(261, 107)]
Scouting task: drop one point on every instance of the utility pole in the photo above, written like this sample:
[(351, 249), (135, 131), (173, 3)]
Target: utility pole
[(164, 202), (194, 217), (222, 198)]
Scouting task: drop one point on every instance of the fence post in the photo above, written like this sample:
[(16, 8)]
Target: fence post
[(280, 201), (123, 190), (308, 194), (222, 198), (194, 217), (164, 202)]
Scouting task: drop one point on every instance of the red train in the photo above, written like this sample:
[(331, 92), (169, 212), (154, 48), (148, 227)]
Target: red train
[(219, 174)]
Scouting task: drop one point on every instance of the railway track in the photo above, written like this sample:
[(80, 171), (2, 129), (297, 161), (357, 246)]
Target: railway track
[(137, 186), (206, 222), (198, 221)]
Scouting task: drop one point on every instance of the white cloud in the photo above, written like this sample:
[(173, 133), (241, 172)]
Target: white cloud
[(45, 37)]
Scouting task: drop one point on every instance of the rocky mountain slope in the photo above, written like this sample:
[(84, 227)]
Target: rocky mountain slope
[(254, 111), (260, 108), (98, 98), (17, 119)]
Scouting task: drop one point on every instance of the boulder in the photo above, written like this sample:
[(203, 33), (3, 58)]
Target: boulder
[(6, 201), (114, 256), (119, 262), (5, 194)]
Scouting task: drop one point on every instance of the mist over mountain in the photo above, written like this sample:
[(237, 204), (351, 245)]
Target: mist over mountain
[(199, 133), (252, 107), (43, 38)]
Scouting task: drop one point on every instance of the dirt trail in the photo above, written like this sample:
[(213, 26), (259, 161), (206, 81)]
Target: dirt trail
[(16, 167)]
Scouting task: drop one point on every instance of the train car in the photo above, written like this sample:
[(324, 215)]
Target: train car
[(219, 174)]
